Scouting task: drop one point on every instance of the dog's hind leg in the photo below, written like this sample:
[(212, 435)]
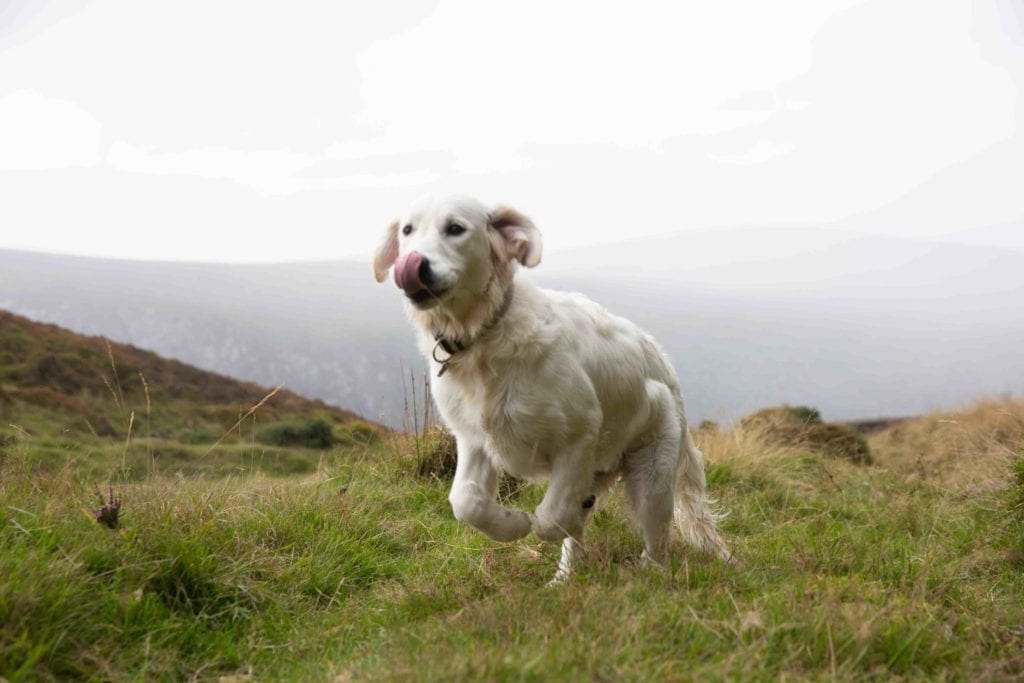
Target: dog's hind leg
[(650, 474), (572, 548), (693, 508)]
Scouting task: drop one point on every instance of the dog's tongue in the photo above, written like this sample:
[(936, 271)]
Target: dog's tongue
[(407, 272)]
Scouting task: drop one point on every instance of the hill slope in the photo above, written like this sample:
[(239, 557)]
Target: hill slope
[(56, 381), (891, 571)]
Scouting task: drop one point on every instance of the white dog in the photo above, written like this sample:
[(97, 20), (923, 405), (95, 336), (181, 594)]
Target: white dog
[(542, 384)]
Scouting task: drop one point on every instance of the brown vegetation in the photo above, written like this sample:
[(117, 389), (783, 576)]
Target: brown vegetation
[(35, 354), (967, 448), (802, 427), (85, 385)]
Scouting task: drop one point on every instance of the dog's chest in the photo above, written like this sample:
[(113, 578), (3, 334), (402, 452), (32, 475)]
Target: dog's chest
[(518, 436)]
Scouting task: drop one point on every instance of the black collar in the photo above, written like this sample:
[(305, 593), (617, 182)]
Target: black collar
[(454, 346)]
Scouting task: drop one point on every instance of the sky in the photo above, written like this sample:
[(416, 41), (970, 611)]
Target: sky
[(256, 131)]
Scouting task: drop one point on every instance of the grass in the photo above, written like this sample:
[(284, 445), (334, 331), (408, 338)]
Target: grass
[(343, 564), (57, 383)]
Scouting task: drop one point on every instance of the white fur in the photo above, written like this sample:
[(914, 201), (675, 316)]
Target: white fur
[(558, 388)]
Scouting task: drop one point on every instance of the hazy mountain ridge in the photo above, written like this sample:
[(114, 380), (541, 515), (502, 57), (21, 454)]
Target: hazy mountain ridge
[(267, 324), (860, 326)]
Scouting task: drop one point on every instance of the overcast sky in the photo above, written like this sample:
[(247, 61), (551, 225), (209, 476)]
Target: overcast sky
[(252, 131)]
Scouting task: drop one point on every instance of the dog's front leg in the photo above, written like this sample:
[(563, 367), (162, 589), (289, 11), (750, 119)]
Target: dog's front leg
[(474, 496), (570, 494)]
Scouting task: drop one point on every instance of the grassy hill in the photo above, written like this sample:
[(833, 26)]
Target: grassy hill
[(62, 388), (909, 565)]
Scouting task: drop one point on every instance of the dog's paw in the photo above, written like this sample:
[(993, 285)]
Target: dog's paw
[(560, 579), (511, 526), (648, 562), (554, 530)]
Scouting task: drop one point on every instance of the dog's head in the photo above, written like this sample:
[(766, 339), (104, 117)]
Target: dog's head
[(447, 252)]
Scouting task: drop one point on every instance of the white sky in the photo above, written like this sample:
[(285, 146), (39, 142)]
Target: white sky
[(253, 131)]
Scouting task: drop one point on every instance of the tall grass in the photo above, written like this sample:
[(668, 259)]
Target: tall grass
[(966, 449), (358, 569), (342, 564)]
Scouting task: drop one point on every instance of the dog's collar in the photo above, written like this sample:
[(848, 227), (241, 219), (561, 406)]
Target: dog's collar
[(454, 346)]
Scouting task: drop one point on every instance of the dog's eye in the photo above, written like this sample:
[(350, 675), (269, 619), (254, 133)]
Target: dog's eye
[(407, 230), (454, 229)]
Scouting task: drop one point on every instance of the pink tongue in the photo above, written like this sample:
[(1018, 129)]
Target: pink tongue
[(407, 272)]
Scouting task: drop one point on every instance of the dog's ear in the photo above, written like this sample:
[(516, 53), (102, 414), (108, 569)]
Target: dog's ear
[(386, 253), (522, 238)]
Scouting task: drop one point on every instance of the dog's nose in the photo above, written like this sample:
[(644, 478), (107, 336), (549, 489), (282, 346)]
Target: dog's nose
[(413, 272), (426, 275)]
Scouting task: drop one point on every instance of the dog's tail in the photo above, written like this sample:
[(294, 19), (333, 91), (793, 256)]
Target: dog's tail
[(694, 511)]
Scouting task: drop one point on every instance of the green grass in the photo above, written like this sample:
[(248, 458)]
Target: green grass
[(292, 563)]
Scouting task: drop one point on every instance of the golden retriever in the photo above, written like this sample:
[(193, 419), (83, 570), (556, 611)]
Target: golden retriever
[(542, 385)]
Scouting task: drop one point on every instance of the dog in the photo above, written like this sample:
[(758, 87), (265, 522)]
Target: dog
[(542, 385)]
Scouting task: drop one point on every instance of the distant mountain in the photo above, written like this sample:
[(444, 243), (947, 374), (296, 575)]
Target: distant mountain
[(1005, 235), (79, 383), (859, 326), (808, 264)]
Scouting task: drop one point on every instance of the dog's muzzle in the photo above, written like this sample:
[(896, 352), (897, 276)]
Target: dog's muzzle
[(415, 277), (408, 273)]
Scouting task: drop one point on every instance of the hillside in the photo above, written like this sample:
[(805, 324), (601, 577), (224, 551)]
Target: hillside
[(56, 382), (911, 568)]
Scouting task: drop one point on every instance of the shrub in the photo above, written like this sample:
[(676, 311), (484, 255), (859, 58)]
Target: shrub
[(50, 372), (356, 433), (313, 433), (100, 424), (194, 435), (838, 441), (782, 415), (437, 455), (708, 426), (45, 397), (802, 427)]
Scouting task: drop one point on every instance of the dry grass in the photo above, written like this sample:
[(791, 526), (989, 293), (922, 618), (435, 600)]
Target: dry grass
[(757, 451), (965, 449)]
